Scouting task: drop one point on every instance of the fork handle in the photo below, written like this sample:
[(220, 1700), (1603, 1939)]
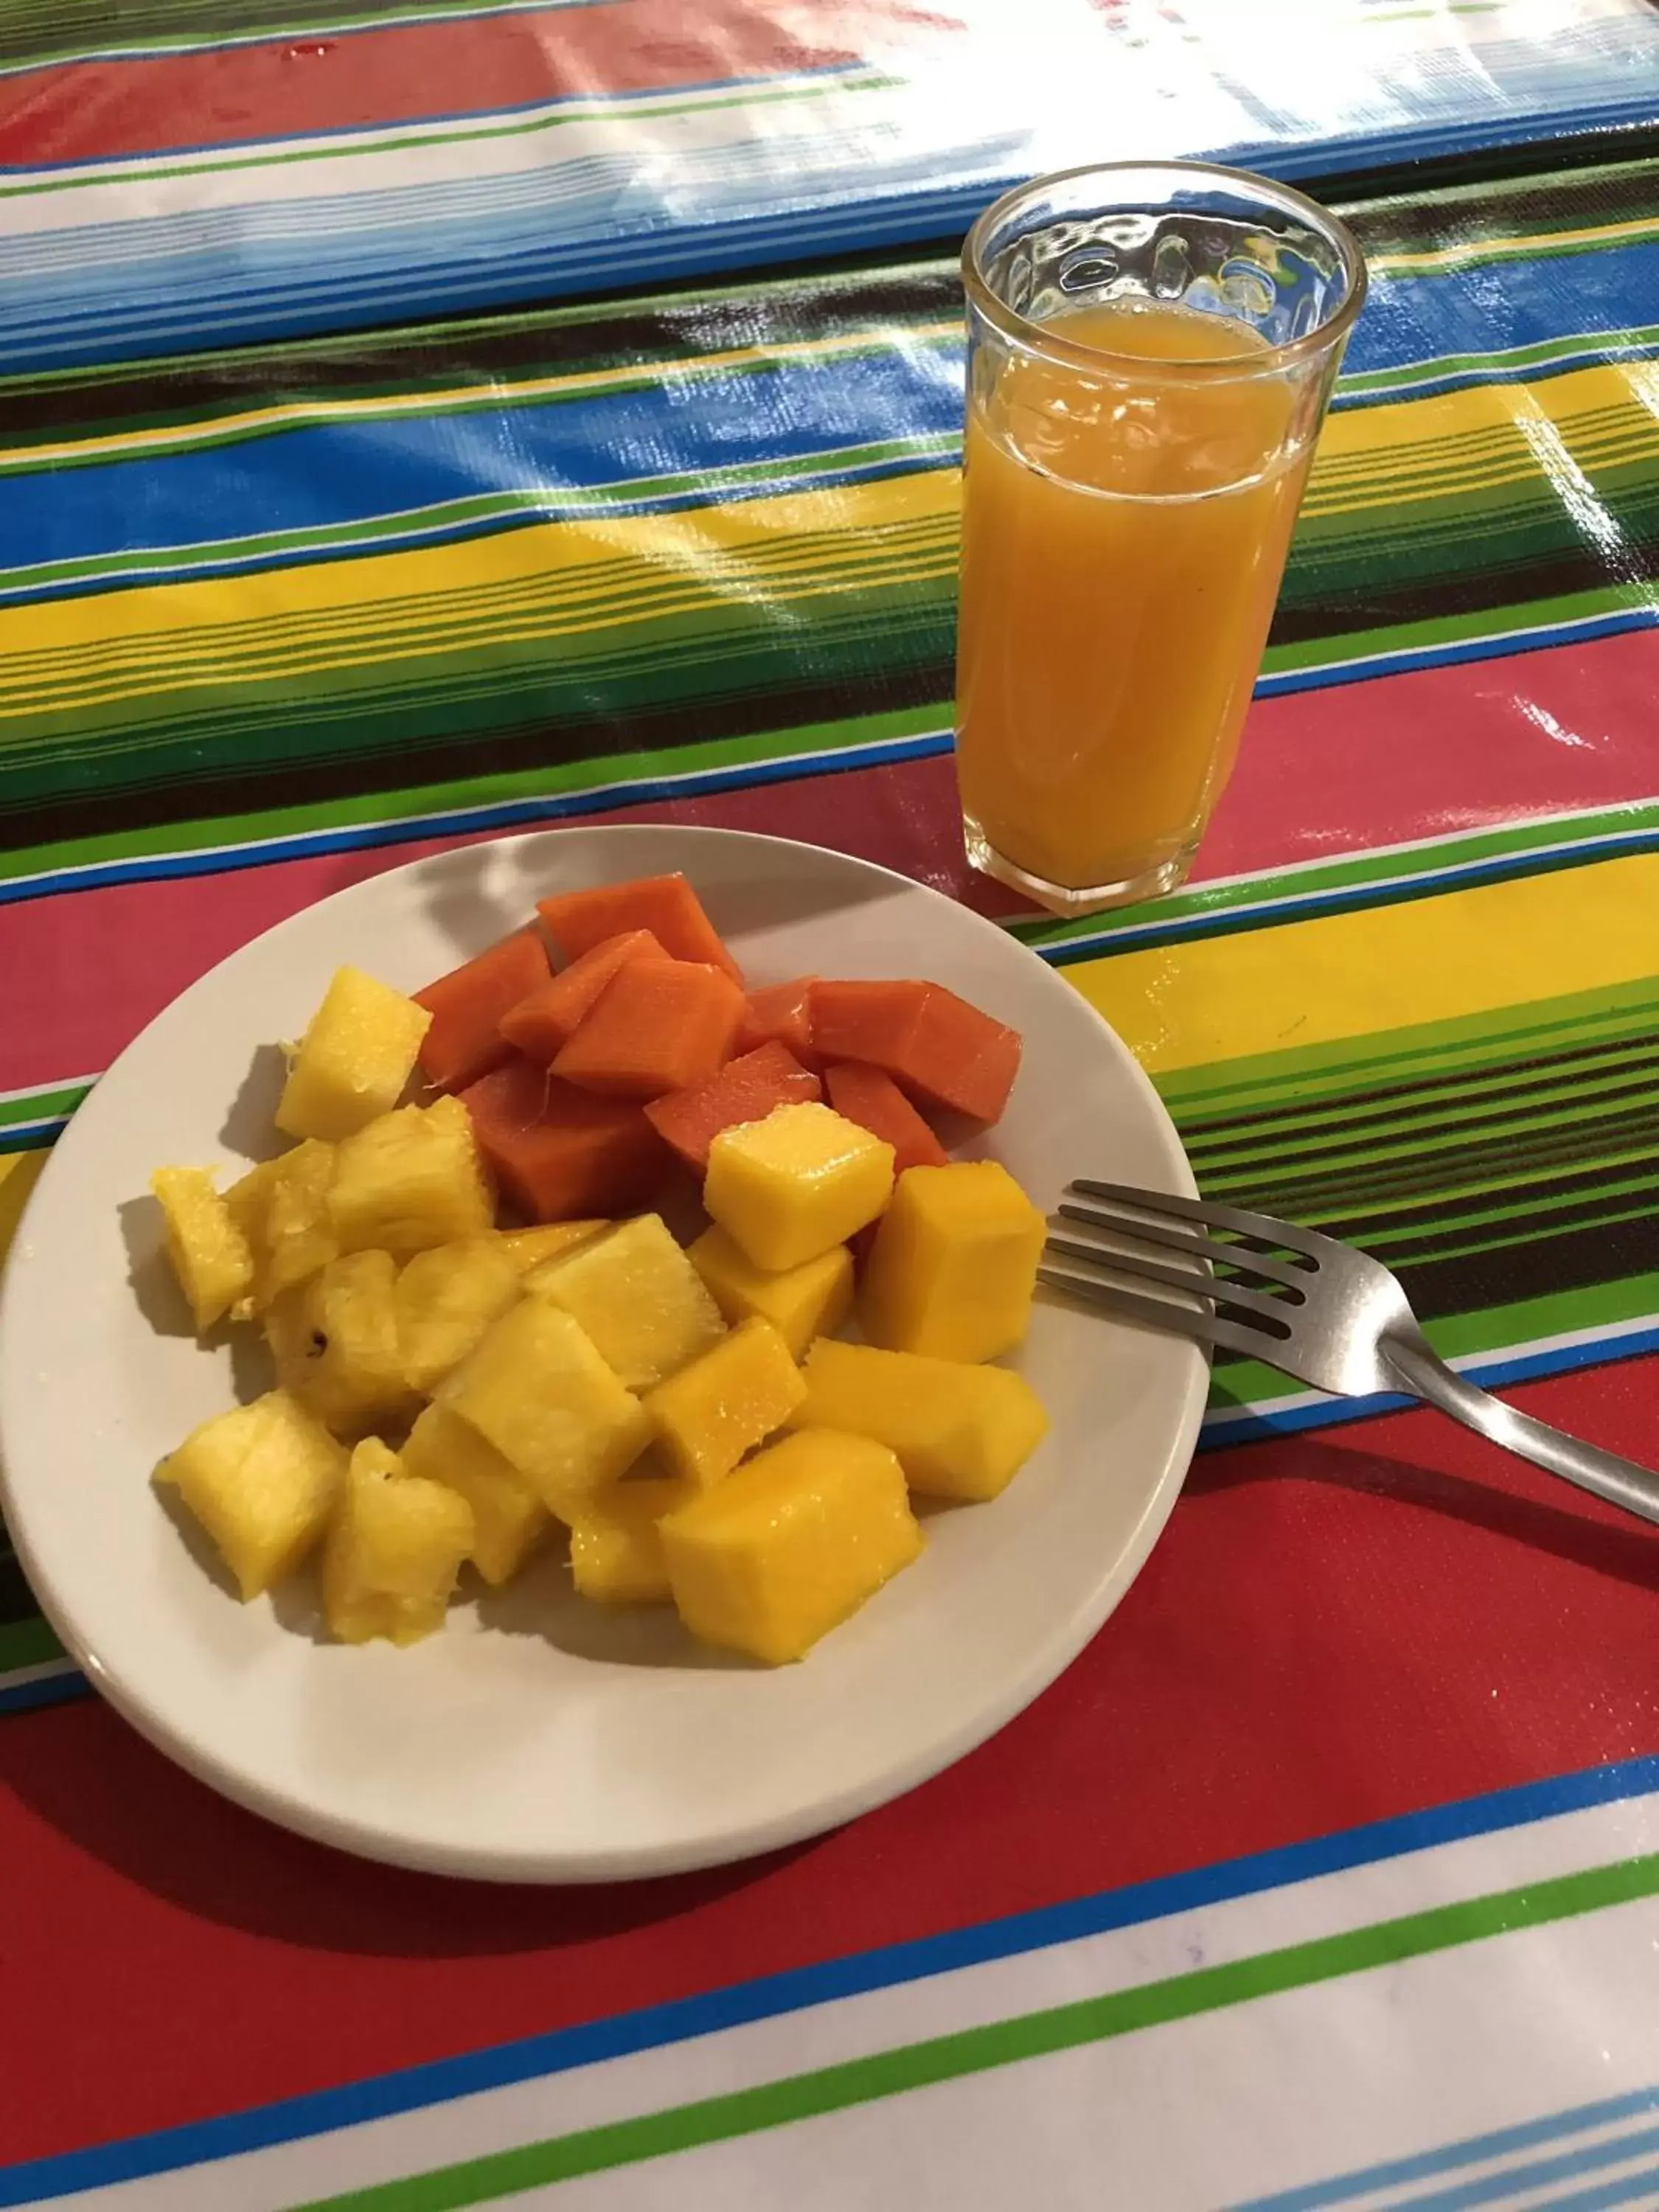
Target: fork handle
[(1603, 1474)]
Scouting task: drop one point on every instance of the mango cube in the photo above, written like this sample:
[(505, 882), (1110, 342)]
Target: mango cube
[(792, 1187), (282, 1207), (537, 1389), (262, 1479), (356, 1057), (723, 1405), (637, 1296), (211, 1258), (410, 1180), (615, 1548), (954, 1263), (334, 1339), (393, 1552), (801, 1302), (445, 1299), (528, 1247), (958, 1430), (773, 1558), (508, 1520)]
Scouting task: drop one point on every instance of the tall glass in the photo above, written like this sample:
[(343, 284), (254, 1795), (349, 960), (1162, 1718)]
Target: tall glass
[(1150, 349)]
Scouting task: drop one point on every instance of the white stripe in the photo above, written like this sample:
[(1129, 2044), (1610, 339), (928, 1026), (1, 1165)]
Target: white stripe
[(47, 1670)]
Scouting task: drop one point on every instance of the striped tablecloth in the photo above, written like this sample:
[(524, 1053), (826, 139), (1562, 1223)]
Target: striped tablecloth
[(1328, 1874)]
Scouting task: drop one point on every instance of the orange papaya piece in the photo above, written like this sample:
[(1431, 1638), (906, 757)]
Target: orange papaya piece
[(745, 1090), (560, 1154), (658, 1025), (665, 905), (464, 1041), (541, 1025), (869, 1097), (939, 1050)]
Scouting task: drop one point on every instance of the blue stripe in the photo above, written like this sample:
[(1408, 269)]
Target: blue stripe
[(1583, 630), (1437, 385), (32, 1136), (1608, 2193), (22, 1697), (776, 1996)]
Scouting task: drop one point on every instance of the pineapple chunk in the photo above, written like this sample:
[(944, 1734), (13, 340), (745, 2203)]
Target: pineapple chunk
[(282, 1208), (954, 1263), (958, 1430), (262, 1479), (210, 1256), (794, 1186), (393, 1552), (334, 1339), (358, 1055), (723, 1405), (538, 1390), (616, 1552), (528, 1247), (508, 1520), (446, 1298), (777, 1555), (800, 1303), (410, 1180), (637, 1296)]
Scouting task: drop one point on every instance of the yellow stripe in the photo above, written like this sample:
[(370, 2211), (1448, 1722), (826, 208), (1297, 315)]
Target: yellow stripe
[(19, 1173), (1391, 968), (1468, 251)]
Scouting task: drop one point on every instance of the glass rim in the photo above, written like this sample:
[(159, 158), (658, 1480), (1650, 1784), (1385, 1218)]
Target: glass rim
[(1040, 337)]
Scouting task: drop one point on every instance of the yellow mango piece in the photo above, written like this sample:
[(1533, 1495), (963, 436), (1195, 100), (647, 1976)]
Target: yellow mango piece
[(637, 1296), (282, 1207), (528, 1247), (779, 1554), (801, 1302), (355, 1059), (508, 1520), (334, 1341), (410, 1180), (723, 1405), (210, 1256), (445, 1299), (959, 1431), (954, 1263), (393, 1551), (792, 1187), (615, 1551), (263, 1481), (537, 1388)]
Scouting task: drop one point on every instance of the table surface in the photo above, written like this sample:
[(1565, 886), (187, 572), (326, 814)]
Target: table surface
[(429, 421)]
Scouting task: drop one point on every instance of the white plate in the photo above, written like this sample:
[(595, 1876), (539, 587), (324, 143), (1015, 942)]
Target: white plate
[(539, 1738)]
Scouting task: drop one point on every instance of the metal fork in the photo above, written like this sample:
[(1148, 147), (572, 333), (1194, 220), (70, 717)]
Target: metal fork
[(1327, 1313)]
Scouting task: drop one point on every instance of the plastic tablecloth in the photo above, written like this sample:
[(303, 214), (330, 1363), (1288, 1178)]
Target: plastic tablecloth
[(1327, 1874)]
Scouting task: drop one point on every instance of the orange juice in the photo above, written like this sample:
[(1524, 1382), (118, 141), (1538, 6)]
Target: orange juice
[(1124, 528)]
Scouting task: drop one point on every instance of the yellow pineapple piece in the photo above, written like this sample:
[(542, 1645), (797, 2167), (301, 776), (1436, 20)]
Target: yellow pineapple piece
[(334, 1339), (356, 1056), (536, 1389), (794, 1186), (959, 1431), (954, 1263), (210, 1256), (263, 1481), (410, 1180), (616, 1552), (282, 1207), (637, 1296), (393, 1551), (779, 1554), (528, 1247), (508, 1520), (801, 1302), (723, 1405), (446, 1298)]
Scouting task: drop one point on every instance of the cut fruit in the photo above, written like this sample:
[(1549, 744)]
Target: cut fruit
[(446, 1298), (745, 1090), (540, 1025), (796, 1184), (719, 1407), (464, 1041), (396, 1545), (637, 1296), (262, 1479), (334, 1341), (782, 1014), (559, 1152), (779, 1554), (508, 1520), (211, 1258), (658, 1026), (282, 1208), (869, 1097), (616, 1550), (528, 1247), (954, 1263), (665, 905), (538, 1390), (356, 1056), (934, 1044), (801, 1302), (410, 1180), (958, 1430)]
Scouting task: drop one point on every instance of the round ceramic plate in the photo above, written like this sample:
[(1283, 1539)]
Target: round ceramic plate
[(539, 1737)]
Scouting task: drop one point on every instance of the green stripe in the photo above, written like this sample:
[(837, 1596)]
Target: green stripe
[(1612, 345), (1005, 2043), (27, 1644), (50, 1104)]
